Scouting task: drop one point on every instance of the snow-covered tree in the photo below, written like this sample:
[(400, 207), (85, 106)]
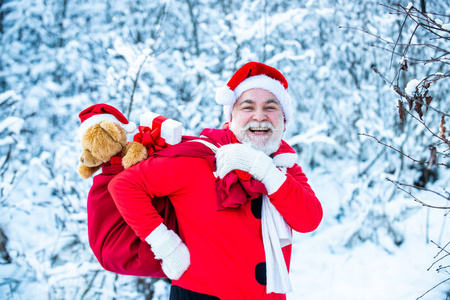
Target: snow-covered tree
[(168, 56)]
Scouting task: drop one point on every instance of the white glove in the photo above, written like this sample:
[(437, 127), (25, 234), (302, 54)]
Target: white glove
[(167, 246), (245, 158)]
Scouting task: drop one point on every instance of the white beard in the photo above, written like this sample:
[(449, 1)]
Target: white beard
[(267, 145)]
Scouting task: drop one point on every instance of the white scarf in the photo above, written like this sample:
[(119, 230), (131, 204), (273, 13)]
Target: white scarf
[(276, 234)]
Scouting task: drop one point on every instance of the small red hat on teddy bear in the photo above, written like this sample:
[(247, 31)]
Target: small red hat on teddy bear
[(103, 112)]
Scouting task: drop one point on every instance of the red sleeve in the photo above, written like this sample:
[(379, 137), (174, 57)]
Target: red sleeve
[(296, 201), (113, 242), (134, 188)]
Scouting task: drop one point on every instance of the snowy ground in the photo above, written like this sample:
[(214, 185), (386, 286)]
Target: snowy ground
[(322, 268), (367, 272)]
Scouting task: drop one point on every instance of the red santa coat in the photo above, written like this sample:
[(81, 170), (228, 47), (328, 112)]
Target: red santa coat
[(226, 248)]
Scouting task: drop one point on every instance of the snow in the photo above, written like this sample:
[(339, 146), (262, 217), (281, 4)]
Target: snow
[(411, 87), (366, 273), (13, 124), (7, 96), (322, 268), (313, 135), (375, 241)]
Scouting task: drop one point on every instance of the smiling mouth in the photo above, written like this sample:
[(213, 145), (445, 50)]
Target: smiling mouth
[(259, 130)]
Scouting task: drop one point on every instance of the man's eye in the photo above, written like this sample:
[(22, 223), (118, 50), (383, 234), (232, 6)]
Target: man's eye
[(247, 108)]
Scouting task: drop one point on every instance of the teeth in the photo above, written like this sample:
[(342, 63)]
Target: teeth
[(259, 128)]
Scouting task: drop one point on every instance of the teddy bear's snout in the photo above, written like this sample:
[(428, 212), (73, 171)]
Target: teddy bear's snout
[(82, 160)]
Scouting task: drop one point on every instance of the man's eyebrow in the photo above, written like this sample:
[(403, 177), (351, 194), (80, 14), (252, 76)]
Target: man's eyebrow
[(273, 101), (250, 101), (247, 101)]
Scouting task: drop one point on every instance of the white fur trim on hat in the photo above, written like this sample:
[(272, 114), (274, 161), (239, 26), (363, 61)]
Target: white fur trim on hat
[(129, 128), (225, 96), (227, 109), (262, 82)]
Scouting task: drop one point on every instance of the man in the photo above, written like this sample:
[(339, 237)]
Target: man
[(235, 204)]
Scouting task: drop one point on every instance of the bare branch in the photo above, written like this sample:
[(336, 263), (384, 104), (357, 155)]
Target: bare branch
[(419, 188), (443, 139), (398, 39), (441, 248), (420, 18), (406, 45), (135, 81), (434, 288), (400, 152), (399, 186)]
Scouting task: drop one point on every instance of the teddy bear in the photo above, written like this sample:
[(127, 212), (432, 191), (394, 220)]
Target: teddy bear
[(103, 138), (104, 145)]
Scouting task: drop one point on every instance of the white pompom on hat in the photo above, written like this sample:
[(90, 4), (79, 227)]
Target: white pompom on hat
[(250, 76), (103, 112)]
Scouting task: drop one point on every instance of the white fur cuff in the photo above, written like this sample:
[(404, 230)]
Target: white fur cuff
[(162, 241), (167, 246)]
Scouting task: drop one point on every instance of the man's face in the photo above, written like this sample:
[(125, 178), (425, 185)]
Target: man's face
[(257, 119)]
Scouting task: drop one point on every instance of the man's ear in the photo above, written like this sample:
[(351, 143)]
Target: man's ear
[(229, 121), (231, 118)]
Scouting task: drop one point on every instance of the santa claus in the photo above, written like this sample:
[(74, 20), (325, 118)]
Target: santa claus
[(237, 193)]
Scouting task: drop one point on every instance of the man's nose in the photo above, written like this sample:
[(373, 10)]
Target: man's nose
[(259, 115)]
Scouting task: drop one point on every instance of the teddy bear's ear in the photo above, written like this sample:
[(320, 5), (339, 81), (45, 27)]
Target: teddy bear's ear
[(116, 131)]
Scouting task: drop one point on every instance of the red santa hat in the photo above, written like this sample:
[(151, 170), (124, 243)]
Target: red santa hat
[(103, 112), (255, 75)]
